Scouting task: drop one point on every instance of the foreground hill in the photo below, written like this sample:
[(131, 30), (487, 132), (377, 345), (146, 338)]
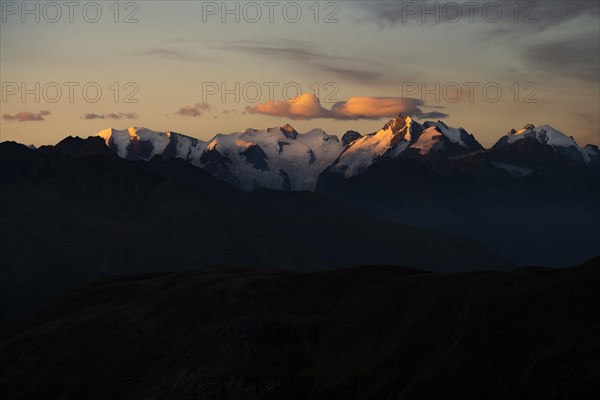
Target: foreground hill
[(359, 333)]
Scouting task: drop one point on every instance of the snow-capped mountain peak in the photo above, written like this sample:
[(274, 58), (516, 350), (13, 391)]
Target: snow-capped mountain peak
[(277, 158), (453, 134), (394, 138), (544, 134), (404, 136), (429, 140), (136, 142), (282, 158), (547, 135), (398, 124), (438, 136)]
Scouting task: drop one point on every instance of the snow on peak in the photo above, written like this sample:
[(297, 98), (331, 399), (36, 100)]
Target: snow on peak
[(546, 134), (361, 153), (277, 157), (430, 140), (398, 123), (453, 134), (590, 152), (121, 140), (437, 133), (281, 158), (287, 158), (398, 136)]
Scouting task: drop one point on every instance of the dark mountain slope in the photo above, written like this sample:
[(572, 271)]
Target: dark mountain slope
[(69, 219), (360, 333), (78, 147), (525, 201)]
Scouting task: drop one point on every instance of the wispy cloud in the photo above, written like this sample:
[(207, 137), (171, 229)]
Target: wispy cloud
[(531, 15), (308, 106), (575, 57), (173, 54), (25, 116), (550, 40), (119, 115), (302, 55), (194, 111)]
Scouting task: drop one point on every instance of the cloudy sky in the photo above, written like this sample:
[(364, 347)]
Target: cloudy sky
[(203, 68)]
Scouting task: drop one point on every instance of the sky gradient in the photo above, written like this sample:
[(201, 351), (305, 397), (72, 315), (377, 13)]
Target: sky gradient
[(355, 63)]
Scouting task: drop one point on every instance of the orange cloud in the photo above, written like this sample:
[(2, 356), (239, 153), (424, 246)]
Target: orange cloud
[(119, 115), (375, 107), (308, 106), (195, 110), (25, 116)]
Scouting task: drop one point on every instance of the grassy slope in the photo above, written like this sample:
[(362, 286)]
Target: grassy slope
[(360, 333)]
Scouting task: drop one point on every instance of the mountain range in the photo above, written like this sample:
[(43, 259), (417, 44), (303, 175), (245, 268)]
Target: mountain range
[(534, 187), (418, 195), (280, 158)]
